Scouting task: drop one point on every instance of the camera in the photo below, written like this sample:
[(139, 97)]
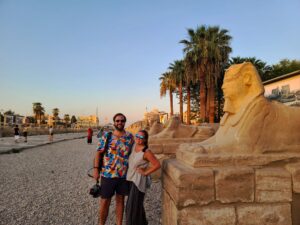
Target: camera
[(95, 191)]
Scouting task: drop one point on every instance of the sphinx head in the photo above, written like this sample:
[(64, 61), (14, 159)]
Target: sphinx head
[(241, 84)]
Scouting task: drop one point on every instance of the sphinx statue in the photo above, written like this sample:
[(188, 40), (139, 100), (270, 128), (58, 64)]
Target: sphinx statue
[(175, 129), (251, 123)]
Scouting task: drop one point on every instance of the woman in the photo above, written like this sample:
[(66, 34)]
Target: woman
[(137, 173)]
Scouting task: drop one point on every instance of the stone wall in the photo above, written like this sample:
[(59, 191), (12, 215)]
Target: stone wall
[(231, 195)]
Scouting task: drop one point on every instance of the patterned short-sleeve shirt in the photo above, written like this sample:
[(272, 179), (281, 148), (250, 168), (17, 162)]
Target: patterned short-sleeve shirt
[(115, 160)]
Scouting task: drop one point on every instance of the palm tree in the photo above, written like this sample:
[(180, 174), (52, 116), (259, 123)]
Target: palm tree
[(178, 74), (218, 49), (208, 48), (167, 85), (190, 78), (55, 113), (263, 69), (67, 119), (195, 48), (38, 111)]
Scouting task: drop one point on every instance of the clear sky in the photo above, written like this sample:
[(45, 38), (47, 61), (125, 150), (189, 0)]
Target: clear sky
[(77, 55)]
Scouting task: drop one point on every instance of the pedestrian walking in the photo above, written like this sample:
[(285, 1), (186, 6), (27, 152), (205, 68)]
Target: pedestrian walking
[(114, 168), (51, 133), (89, 135), (25, 133), (17, 133), (138, 176)]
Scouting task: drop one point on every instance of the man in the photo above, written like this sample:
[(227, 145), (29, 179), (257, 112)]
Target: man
[(114, 168)]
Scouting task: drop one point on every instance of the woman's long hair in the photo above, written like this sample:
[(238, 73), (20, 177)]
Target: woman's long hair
[(146, 135)]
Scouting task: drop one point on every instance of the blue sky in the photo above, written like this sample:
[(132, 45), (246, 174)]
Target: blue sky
[(79, 55)]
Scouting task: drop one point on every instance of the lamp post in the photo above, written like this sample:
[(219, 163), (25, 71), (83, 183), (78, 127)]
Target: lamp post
[(1, 125)]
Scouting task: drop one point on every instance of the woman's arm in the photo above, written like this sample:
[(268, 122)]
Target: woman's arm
[(155, 164)]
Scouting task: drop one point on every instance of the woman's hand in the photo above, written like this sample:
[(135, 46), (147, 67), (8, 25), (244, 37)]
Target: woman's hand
[(141, 171)]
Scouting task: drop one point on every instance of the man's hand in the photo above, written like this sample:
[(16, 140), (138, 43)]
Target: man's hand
[(96, 174)]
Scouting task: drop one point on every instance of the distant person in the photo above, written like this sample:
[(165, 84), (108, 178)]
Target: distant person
[(25, 133), (139, 180), (51, 133), (114, 168), (89, 135), (17, 133)]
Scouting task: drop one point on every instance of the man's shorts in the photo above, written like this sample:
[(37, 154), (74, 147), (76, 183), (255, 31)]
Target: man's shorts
[(110, 186)]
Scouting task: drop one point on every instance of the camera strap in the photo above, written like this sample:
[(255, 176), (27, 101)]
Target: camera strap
[(108, 137)]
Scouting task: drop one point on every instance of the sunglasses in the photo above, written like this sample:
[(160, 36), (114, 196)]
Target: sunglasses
[(139, 136), (122, 121)]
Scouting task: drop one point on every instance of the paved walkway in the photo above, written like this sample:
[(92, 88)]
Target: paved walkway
[(8, 145)]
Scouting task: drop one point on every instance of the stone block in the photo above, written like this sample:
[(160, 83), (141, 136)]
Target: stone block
[(170, 148), (264, 214), (294, 169), (169, 210), (234, 184), (186, 185), (273, 185), (185, 176), (213, 215), (188, 196), (156, 148)]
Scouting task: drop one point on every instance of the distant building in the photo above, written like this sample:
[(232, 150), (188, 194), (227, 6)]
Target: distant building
[(50, 120), (10, 120), (285, 88), (87, 121), (155, 115)]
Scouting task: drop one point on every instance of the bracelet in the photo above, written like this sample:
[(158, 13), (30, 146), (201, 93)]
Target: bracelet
[(96, 167)]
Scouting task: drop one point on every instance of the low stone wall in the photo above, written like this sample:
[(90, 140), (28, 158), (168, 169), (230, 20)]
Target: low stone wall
[(231, 195), (9, 131)]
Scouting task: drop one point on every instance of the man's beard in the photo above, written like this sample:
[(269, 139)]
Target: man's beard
[(121, 128)]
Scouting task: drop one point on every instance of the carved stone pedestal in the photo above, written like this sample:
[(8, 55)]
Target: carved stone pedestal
[(231, 190)]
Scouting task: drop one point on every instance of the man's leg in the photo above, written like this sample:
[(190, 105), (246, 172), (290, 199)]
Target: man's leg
[(119, 208), (104, 208)]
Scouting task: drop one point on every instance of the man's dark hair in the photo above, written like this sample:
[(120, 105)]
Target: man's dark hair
[(119, 114)]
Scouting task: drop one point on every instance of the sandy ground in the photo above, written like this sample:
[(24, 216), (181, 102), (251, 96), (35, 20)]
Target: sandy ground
[(49, 185)]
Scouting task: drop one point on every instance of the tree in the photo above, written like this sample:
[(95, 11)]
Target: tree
[(177, 71), (73, 120), (194, 48), (218, 48), (67, 119), (285, 66), (190, 79), (55, 113), (208, 48), (38, 111), (9, 113), (167, 85), (265, 71)]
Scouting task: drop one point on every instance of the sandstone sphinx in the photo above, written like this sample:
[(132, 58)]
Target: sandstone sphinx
[(248, 172), (251, 123), (168, 139)]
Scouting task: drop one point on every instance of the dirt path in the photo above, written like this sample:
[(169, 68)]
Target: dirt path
[(49, 185)]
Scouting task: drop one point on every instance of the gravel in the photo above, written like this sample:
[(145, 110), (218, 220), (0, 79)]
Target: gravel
[(49, 185)]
